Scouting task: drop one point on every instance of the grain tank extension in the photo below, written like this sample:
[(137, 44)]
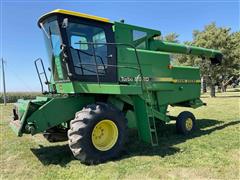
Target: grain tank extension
[(107, 77)]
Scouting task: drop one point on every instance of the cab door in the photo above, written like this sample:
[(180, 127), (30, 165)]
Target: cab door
[(92, 59)]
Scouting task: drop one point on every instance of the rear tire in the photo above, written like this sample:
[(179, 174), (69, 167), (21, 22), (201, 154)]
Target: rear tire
[(185, 123), (97, 134)]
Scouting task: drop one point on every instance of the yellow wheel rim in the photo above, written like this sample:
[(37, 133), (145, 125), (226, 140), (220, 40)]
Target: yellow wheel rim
[(104, 135), (189, 124)]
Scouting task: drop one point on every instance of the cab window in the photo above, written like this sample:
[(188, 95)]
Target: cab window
[(80, 39), (99, 38), (82, 53)]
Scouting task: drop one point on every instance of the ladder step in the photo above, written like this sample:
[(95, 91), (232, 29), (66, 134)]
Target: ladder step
[(154, 139), (153, 130), (154, 144), (152, 126)]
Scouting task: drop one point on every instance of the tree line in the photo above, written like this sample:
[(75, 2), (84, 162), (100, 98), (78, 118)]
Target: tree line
[(213, 37)]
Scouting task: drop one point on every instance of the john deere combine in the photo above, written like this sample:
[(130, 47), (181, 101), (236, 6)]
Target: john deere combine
[(107, 77)]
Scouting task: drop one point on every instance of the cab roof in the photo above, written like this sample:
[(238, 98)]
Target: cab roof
[(72, 13)]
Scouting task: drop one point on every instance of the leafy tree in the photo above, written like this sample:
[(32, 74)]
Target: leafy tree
[(219, 38), (171, 37)]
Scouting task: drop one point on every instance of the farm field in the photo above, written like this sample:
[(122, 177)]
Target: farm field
[(14, 96), (211, 152)]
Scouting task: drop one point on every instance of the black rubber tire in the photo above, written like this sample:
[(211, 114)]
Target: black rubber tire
[(181, 122), (79, 134)]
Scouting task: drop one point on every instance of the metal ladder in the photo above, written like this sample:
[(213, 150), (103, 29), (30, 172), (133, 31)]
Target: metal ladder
[(151, 122), (37, 62)]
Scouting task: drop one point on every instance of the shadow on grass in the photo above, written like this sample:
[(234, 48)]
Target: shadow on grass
[(61, 154), (233, 90), (57, 155)]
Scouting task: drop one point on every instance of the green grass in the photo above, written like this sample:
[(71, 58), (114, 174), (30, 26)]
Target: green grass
[(211, 152)]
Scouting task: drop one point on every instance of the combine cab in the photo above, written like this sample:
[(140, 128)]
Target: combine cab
[(107, 77)]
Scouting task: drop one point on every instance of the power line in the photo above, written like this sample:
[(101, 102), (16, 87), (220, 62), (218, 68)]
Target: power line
[(24, 84), (4, 84)]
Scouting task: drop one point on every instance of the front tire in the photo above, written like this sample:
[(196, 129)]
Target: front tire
[(97, 134)]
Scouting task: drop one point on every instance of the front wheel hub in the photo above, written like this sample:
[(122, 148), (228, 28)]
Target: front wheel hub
[(104, 135)]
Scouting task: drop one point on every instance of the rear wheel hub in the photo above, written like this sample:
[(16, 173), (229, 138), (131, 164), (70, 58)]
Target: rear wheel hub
[(189, 124)]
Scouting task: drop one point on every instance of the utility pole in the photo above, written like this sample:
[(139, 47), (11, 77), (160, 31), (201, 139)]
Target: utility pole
[(4, 84)]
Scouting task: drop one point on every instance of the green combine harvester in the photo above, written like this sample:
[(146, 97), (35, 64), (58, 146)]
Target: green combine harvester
[(107, 77)]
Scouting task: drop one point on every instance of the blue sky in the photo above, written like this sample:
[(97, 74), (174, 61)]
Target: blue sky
[(22, 41)]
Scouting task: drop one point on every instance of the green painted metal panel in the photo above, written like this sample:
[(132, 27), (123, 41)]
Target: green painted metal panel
[(58, 64), (124, 33), (95, 88), (142, 119), (107, 88), (56, 111)]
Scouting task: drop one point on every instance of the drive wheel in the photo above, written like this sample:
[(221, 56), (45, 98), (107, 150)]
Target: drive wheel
[(97, 133), (185, 122)]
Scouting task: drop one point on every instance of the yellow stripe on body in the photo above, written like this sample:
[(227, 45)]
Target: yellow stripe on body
[(166, 79)]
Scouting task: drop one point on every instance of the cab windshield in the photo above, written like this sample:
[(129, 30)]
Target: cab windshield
[(53, 43)]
